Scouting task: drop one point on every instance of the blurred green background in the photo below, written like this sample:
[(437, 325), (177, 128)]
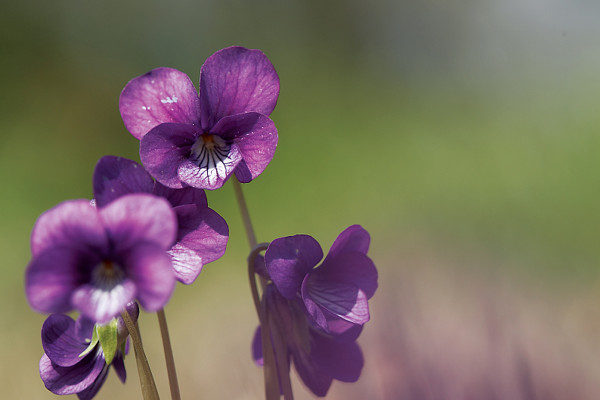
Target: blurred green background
[(463, 135)]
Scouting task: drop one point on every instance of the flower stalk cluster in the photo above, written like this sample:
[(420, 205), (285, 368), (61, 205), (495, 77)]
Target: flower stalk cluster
[(149, 226)]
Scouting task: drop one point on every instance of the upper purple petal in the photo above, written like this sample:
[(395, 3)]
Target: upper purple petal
[(53, 275), (201, 238), (256, 137), (61, 341), (235, 80), (139, 217), (162, 95), (117, 176), (179, 197), (351, 268), (289, 259), (164, 148), (73, 223), (149, 267), (353, 238), (73, 379)]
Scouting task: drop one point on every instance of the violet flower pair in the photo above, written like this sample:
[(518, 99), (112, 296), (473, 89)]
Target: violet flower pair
[(315, 315)]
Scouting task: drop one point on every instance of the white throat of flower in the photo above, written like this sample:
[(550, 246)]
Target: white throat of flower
[(107, 275), (211, 154)]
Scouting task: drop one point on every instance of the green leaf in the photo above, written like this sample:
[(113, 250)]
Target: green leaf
[(93, 344), (107, 335)]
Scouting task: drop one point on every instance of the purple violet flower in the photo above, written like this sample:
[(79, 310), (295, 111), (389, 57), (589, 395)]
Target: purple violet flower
[(335, 294), (195, 140), (73, 360), (96, 260), (319, 358), (202, 234)]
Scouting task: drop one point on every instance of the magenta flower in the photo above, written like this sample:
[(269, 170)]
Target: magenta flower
[(202, 234), (200, 140), (336, 293), (73, 362), (319, 358), (96, 260)]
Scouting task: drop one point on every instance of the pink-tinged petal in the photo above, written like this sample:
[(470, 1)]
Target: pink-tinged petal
[(139, 217), (60, 340), (314, 311), (256, 137), (289, 259), (210, 172), (342, 330), (202, 238), (179, 197), (102, 304), (164, 148), (73, 223), (237, 80), (53, 275), (160, 96), (116, 176), (74, 379), (150, 268), (353, 238), (352, 268)]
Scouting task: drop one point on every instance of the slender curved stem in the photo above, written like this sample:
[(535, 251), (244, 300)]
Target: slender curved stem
[(169, 359), (149, 391), (239, 195)]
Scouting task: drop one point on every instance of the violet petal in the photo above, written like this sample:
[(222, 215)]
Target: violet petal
[(92, 390), (352, 268), (236, 80), (164, 148), (74, 379), (162, 95), (179, 197), (340, 360), (202, 238), (119, 365), (117, 176), (73, 223), (257, 353), (353, 238), (150, 268), (139, 217), (256, 137), (289, 259), (60, 340)]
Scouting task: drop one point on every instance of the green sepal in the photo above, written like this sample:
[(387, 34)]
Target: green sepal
[(93, 344), (107, 335)]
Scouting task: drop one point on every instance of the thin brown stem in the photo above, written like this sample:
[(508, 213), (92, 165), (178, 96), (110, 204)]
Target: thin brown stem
[(169, 359), (149, 391)]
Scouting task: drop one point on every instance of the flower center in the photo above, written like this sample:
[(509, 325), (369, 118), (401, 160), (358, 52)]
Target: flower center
[(107, 275), (211, 154)]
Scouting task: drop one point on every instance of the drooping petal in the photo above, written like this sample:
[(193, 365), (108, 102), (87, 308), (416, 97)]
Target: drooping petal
[(117, 176), (119, 365), (202, 238), (257, 353), (102, 304), (210, 168), (74, 379), (340, 360), (150, 268), (60, 340), (53, 275), (164, 148), (139, 217), (235, 80), (92, 390), (160, 96), (256, 136), (179, 197), (351, 268), (310, 373), (73, 223), (353, 238), (289, 259)]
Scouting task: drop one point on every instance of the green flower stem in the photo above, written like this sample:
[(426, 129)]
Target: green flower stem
[(169, 359), (239, 195), (149, 391)]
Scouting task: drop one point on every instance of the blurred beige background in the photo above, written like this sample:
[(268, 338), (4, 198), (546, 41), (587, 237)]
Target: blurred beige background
[(463, 135)]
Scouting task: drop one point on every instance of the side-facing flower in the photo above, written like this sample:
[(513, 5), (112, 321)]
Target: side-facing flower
[(195, 140), (96, 260), (336, 293), (202, 234), (74, 361)]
